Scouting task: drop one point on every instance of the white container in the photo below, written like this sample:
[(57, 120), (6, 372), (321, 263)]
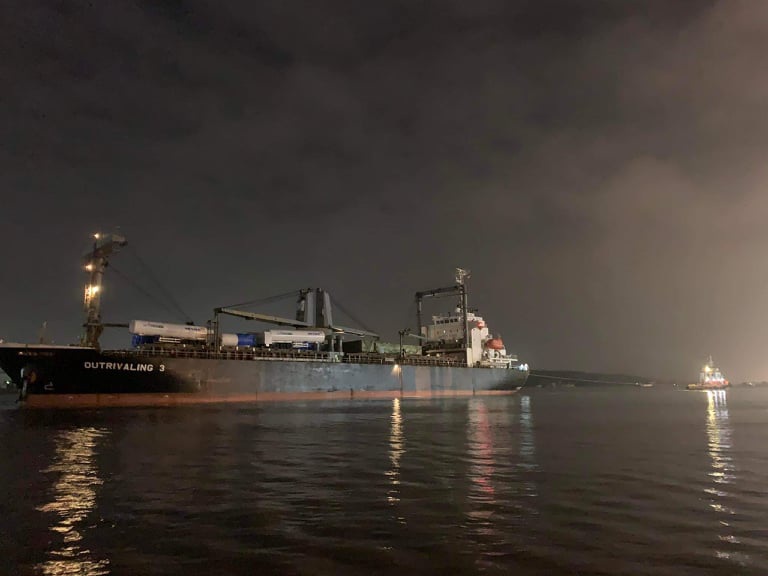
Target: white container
[(293, 336), (181, 331)]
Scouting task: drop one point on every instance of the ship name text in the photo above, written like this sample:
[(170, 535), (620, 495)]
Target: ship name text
[(127, 366)]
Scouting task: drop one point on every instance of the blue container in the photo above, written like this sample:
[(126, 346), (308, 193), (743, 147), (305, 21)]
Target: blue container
[(246, 340), (140, 340)]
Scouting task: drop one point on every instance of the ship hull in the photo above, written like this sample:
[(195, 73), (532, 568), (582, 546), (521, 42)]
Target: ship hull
[(74, 376), (707, 387)]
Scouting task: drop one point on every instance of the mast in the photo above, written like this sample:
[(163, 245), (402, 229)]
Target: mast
[(96, 261), (461, 276)]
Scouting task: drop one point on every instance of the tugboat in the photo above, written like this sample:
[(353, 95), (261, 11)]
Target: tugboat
[(710, 378)]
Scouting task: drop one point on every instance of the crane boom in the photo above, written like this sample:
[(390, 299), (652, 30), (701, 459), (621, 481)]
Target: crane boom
[(262, 317), (309, 315), (355, 331), (446, 291)]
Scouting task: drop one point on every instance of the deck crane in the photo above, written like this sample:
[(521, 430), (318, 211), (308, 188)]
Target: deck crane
[(458, 289), (308, 315), (96, 261)]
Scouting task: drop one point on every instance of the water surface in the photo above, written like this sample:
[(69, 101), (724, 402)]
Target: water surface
[(551, 481)]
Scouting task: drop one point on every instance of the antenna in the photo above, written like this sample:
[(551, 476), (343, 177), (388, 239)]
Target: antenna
[(461, 275), (43, 335)]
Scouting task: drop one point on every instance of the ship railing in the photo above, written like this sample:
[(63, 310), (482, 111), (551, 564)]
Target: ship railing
[(249, 354), (267, 354), (429, 361), (365, 359), (405, 361)]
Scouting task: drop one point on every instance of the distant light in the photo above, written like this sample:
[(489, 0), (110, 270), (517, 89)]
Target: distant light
[(97, 235), (89, 267)]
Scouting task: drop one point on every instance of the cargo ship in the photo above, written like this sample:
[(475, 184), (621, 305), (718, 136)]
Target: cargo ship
[(710, 378), (308, 357)]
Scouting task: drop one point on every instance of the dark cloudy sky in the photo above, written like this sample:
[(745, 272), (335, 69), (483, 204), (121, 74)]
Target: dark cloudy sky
[(600, 166)]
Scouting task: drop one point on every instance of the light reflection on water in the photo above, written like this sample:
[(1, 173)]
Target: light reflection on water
[(73, 500), (482, 502), (481, 457), (501, 467), (396, 451), (722, 473), (547, 482), (527, 461)]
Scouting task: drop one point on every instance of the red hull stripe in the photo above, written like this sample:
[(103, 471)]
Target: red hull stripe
[(179, 399)]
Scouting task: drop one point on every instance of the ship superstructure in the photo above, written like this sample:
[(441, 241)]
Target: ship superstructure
[(462, 333), (710, 378)]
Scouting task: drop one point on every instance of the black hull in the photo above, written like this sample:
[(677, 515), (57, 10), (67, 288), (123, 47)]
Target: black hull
[(74, 376)]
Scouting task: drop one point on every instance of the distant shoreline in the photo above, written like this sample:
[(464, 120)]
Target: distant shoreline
[(581, 378)]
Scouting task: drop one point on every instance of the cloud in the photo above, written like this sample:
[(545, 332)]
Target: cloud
[(598, 165)]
